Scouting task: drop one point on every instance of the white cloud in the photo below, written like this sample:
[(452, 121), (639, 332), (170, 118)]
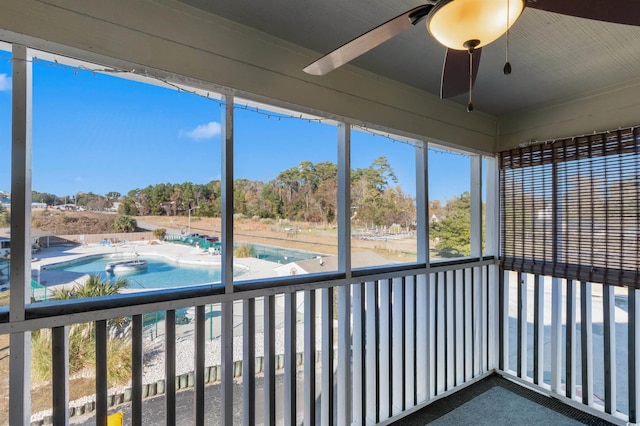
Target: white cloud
[(203, 131), (5, 83)]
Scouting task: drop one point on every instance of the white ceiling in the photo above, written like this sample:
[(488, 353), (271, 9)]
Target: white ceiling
[(554, 57)]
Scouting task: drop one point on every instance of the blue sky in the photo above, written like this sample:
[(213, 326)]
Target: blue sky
[(99, 133)]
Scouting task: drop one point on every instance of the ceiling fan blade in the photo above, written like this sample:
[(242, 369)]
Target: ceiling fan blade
[(617, 12), (368, 41), (455, 73)]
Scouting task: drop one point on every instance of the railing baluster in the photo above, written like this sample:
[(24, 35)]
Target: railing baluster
[(492, 316), (397, 347), (586, 338), (538, 329), (136, 370), (459, 323), (423, 349), (344, 355), (310, 357), (409, 342), (60, 376), (290, 411), (269, 360), (441, 345), (633, 341), (359, 389), (102, 373), (371, 350), (522, 325), (450, 328), (571, 339), (226, 360), (385, 343), (556, 334), (249, 362), (198, 375), (327, 409), (170, 367), (503, 320), (468, 323), (431, 334), (476, 282), (481, 279), (609, 338)]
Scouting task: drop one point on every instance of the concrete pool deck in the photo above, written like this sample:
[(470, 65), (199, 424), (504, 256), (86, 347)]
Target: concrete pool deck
[(53, 278)]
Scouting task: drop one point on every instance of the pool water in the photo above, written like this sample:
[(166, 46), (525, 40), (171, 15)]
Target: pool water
[(159, 273)]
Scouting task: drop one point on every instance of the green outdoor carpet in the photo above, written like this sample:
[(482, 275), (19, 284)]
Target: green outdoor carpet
[(498, 406), (498, 401)]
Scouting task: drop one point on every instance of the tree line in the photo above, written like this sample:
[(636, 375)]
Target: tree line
[(305, 192)]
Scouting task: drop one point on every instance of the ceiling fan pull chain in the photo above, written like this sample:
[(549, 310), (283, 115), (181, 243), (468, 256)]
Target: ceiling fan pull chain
[(507, 65), (470, 104)]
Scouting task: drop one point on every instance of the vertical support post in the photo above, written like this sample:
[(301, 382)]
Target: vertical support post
[(422, 202), (609, 337), (310, 357), (60, 378), (556, 334), (248, 362), (226, 238), (522, 325), (344, 355), (326, 401), (101, 375), (269, 360), (226, 231), (136, 370), (586, 338), (476, 205), (289, 359), (344, 198), (492, 208), (20, 267), (199, 360), (492, 248), (170, 367)]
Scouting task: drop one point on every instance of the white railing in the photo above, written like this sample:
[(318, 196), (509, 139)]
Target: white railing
[(364, 350), (576, 341)]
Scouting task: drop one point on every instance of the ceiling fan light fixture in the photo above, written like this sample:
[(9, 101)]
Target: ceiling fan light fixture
[(455, 22)]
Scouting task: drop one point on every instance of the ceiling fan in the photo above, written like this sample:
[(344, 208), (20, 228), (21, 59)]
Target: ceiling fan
[(465, 26)]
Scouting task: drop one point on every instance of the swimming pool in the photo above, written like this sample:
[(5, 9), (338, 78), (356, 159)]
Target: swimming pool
[(159, 274)]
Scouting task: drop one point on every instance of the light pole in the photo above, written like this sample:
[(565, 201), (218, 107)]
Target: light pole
[(189, 222)]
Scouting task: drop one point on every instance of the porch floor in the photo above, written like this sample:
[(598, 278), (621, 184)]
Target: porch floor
[(498, 401)]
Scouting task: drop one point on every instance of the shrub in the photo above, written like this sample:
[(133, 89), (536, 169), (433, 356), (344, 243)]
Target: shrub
[(82, 338), (160, 233), (125, 224), (243, 250)]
